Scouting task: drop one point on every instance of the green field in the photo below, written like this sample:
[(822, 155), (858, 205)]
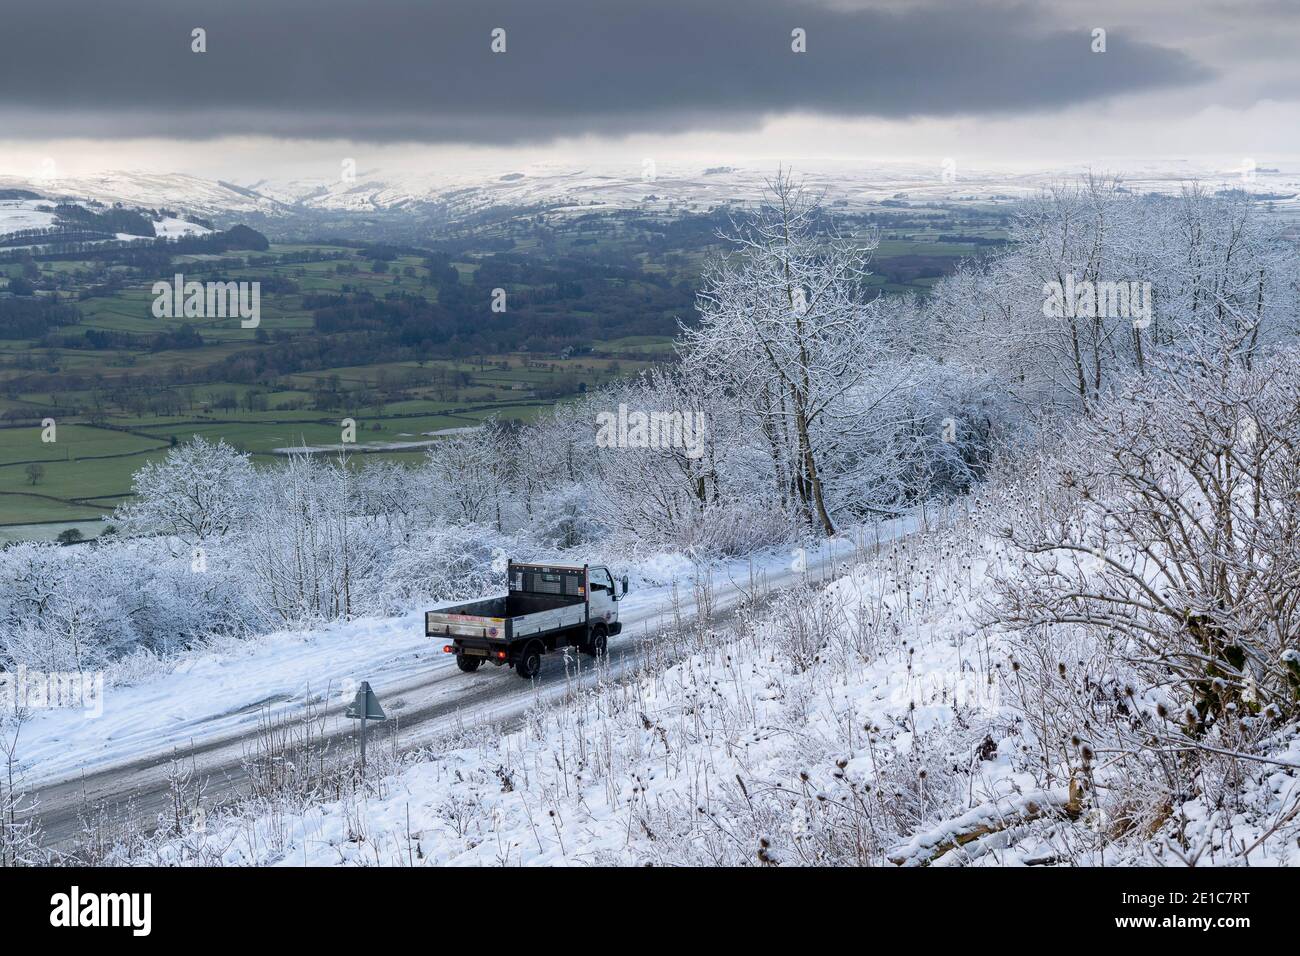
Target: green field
[(70, 443), (141, 387), (80, 474), (144, 401)]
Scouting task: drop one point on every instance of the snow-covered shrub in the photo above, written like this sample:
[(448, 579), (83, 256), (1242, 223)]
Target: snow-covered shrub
[(183, 599), (803, 627), (33, 573), (561, 515), (66, 608), (306, 552), (21, 842), (951, 422), (76, 632), (440, 564), (1153, 606), (59, 614)]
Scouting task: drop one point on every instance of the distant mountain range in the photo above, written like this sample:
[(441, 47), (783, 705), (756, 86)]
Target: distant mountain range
[(640, 185)]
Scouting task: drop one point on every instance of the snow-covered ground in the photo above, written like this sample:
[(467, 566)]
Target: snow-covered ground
[(172, 228), (225, 690), (19, 214), (868, 721), (380, 445)]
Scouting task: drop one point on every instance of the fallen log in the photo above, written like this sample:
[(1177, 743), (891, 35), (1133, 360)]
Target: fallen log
[(924, 848)]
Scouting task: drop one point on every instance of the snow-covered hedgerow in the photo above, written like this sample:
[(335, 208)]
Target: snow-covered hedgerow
[(83, 608)]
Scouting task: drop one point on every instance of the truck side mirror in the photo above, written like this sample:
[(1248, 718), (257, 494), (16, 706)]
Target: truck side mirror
[(625, 587)]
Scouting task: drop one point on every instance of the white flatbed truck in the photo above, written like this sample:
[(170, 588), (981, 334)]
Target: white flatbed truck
[(546, 607)]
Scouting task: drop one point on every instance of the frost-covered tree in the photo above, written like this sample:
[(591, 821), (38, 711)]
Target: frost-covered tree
[(787, 334), (557, 473), (391, 493), (1224, 275), (200, 490), (306, 549), (466, 477), (705, 487), (1054, 319)]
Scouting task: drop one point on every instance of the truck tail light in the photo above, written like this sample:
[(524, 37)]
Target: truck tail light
[(448, 649), (501, 655)]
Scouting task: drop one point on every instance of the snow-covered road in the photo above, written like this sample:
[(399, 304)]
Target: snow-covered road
[(208, 710)]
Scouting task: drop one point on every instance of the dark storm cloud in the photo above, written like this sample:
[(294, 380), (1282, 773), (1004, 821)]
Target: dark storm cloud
[(390, 70)]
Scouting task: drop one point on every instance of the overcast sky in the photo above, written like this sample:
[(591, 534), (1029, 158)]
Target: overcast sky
[(286, 85)]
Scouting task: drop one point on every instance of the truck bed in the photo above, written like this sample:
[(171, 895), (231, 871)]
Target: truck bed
[(514, 615)]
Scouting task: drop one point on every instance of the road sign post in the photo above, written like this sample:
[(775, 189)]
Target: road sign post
[(365, 708)]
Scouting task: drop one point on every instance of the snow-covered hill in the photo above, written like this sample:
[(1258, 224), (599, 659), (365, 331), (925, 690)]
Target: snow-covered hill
[(19, 214), (649, 184), (636, 184), (178, 191)]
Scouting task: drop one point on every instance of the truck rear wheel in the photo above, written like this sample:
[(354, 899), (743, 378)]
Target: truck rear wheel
[(597, 643), (468, 664), (530, 661)]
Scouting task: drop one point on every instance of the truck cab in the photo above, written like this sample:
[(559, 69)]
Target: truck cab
[(603, 595)]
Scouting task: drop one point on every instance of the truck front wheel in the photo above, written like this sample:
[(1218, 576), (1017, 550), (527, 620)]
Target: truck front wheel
[(530, 661), (596, 645), (468, 664)]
